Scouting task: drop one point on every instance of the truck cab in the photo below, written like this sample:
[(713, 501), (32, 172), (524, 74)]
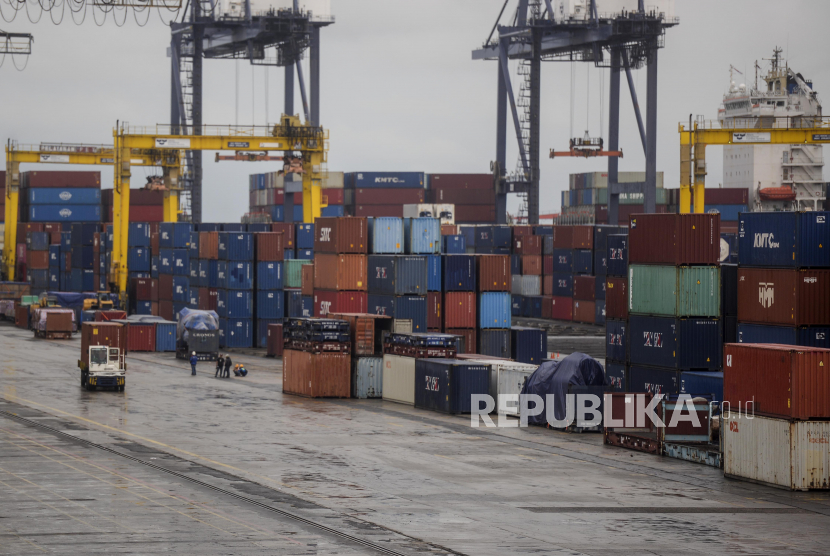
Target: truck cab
[(106, 369)]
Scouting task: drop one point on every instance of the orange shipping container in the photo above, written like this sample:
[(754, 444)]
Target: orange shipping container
[(460, 310), (563, 237), (585, 311), (340, 272), (341, 235), (583, 237), (366, 331), (323, 375), (270, 246), (493, 273), (208, 245), (547, 285), (307, 279), (531, 265), (449, 230)]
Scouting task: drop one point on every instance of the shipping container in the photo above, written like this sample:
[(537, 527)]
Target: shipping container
[(399, 379), (326, 302), (37, 260), (528, 345), (563, 260), (435, 313), (494, 310), (653, 380), (387, 180), (175, 235), (217, 274), (729, 289), (530, 285), (582, 237), (340, 235), (422, 235), (141, 336), (532, 265), (307, 272), (547, 285), (397, 275), (516, 265), (208, 245), (467, 339), (783, 296), (766, 334), (340, 272), (287, 231), (377, 211), (293, 272), (269, 276), (305, 254), (194, 245), (275, 340), (447, 385), (367, 377), (616, 298), (294, 304), (462, 197), (112, 334), (689, 343), (617, 255), (138, 259), (165, 336), (616, 377), (777, 452), (784, 239), (584, 311), (144, 289), (434, 273), (495, 342), (261, 328), (675, 239), (616, 340), (181, 262), (269, 304), (547, 244), (561, 308), (181, 289), (236, 246), (702, 383), (583, 261), (674, 291), (386, 235), (239, 333), (240, 275), (563, 237), (507, 378), (454, 244), (562, 284), (60, 179), (460, 310), (270, 246), (64, 213), (493, 273), (585, 288)]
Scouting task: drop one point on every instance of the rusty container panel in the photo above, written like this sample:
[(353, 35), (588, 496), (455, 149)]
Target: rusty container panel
[(585, 311), (493, 273), (323, 375), (460, 310), (532, 265), (270, 246), (675, 239), (110, 334), (616, 298), (527, 244), (547, 265), (434, 312), (469, 336), (583, 237), (144, 289), (340, 272), (547, 302), (562, 308), (547, 286), (275, 341), (449, 230), (37, 260), (58, 322), (307, 271), (21, 317), (165, 287), (585, 287), (341, 235), (522, 231), (563, 237), (366, 331), (287, 228), (783, 381), (208, 245), (784, 296), (326, 302), (141, 337)]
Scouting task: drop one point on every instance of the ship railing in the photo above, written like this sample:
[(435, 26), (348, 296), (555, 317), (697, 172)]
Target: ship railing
[(764, 122)]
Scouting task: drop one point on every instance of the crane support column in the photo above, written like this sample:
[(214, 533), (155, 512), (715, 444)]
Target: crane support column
[(535, 128), (614, 137), (314, 78), (10, 231), (650, 190), (699, 166), (198, 58), (686, 177), (501, 141), (120, 217), (289, 89), (171, 194)]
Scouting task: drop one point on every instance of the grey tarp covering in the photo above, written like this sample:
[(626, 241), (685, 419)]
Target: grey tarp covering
[(192, 319), (553, 377)]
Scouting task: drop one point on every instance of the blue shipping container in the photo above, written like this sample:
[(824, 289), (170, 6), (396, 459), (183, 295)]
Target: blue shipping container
[(563, 260), (89, 284), (193, 297), (653, 380), (563, 284), (207, 227), (143, 307), (304, 236), (64, 213), (138, 236), (455, 245), (181, 289), (728, 213), (277, 213), (231, 227), (293, 304), (601, 233), (600, 266), (615, 377), (54, 279), (257, 227), (194, 245), (305, 254), (386, 235), (165, 336), (84, 234), (336, 211), (516, 265), (288, 254), (239, 304), (175, 235), (67, 196), (236, 246), (599, 291), (687, 344), (397, 274), (447, 385), (599, 315), (469, 233), (616, 257), (262, 330), (203, 273), (696, 383), (459, 273), (422, 235), (138, 259), (495, 343), (239, 333), (517, 304), (76, 280), (39, 279), (494, 310), (543, 230), (269, 304), (616, 340), (269, 276), (387, 180), (529, 345), (240, 276), (165, 261), (308, 306), (154, 267), (66, 241), (181, 262), (784, 239), (583, 261), (764, 334), (222, 303), (84, 257), (434, 273), (55, 255)]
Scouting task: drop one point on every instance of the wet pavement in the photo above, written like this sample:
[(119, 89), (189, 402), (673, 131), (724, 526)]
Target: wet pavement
[(235, 467)]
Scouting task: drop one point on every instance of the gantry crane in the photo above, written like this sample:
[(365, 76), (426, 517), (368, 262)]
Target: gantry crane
[(700, 134), (64, 153)]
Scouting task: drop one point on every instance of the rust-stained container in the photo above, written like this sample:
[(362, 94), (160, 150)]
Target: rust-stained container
[(110, 334), (585, 287), (675, 239), (322, 375), (547, 265), (434, 312), (784, 296), (527, 245), (274, 343), (270, 246), (366, 331), (547, 302), (37, 260), (106, 316), (547, 285), (583, 237), (327, 301), (61, 178), (21, 316), (340, 272), (532, 265), (144, 289), (209, 245), (469, 335), (287, 228), (165, 288), (522, 231), (459, 310), (788, 382), (166, 310), (616, 298), (493, 273), (585, 311), (563, 237), (341, 235), (562, 308), (307, 271), (449, 230)]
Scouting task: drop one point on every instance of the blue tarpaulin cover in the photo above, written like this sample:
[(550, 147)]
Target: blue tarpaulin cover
[(192, 319), (553, 377)]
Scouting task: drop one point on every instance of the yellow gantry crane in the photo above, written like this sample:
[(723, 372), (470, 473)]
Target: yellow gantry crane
[(700, 134)]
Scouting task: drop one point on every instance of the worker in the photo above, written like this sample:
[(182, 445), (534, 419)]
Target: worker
[(220, 364), (240, 370), (228, 364), (193, 361)]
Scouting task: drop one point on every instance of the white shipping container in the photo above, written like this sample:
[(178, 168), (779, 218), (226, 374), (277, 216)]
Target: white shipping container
[(507, 377), (420, 210), (334, 180), (790, 454), (516, 285), (531, 285), (399, 379), (445, 213)]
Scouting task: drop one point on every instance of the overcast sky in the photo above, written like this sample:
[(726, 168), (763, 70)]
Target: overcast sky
[(400, 90)]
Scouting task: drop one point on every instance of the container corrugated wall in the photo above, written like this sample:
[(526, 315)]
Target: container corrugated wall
[(367, 377), (397, 274), (494, 310), (339, 272), (508, 378), (294, 273), (386, 235), (460, 310), (324, 375), (423, 235), (494, 273), (340, 235), (530, 285), (165, 336), (674, 239), (447, 385), (782, 296), (399, 379), (674, 291), (688, 343)]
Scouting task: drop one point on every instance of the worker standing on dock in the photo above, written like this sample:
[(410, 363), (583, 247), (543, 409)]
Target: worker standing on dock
[(220, 363), (228, 363), (193, 361)]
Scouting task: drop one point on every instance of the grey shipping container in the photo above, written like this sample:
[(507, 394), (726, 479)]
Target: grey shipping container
[(447, 385), (367, 377), (495, 343)]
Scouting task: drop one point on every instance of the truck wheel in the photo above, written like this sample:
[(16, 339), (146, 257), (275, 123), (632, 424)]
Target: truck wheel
[(121, 388)]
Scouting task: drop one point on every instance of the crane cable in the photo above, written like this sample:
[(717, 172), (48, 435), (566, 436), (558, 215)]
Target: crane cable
[(573, 71)]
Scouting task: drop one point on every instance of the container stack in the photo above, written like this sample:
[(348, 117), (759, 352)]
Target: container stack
[(729, 203), (270, 202), (460, 300), (383, 193), (146, 205), (270, 281), (37, 261), (85, 252), (494, 305), (173, 282), (60, 196), (472, 194), (783, 278), (210, 272), (674, 309), (235, 303), (616, 311), (367, 352), (586, 200), (317, 358)]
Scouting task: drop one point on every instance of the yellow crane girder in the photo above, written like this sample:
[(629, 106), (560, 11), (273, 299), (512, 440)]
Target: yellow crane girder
[(77, 154), (695, 139)]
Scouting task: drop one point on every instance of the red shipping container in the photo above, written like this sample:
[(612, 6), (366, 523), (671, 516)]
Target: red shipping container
[(144, 289), (154, 244), (61, 178), (270, 246), (675, 239), (165, 287), (212, 298), (340, 272), (531, 265), (783, 296), (475, 214), (788, 382), (547, 306), (333, 196), (112, 334), (461, 181), (523, 231), (547, 285), (434, 313), (527, 245), (37, 260), (166, 310), (209, 245), (204, 301), (24, 228), (106, 316), (462, 196), (54, 238), (727, 196), (601, 213), (585, 287), (141, 337), (139, 213), (493, 273), (307, 283), (459, 310), (562, 308), (379, 210), (52, 227), (326, 302), (563, 237), (275, 341), (341, 235), (585, 311), (22, 252), (470, 338), (449, 230), (287, 229), (547, 265), (323, 375), (388, 196), (616, 298), (583, 237)]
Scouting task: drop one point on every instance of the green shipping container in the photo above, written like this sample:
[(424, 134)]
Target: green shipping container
[(293, 269), (684, 291), (600, 197)]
